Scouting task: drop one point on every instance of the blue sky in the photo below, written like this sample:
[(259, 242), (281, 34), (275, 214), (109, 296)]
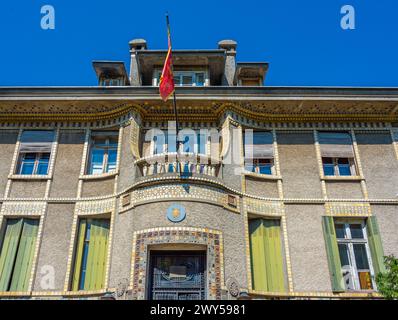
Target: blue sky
[(302, 40)]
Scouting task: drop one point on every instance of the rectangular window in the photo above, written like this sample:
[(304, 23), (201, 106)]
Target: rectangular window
[(90, 255), (266, 255), (186, 78), (35, 152), (259, 152), (354, 255), (338, 167), (112, 82), (337, 153), (18, 245), (103, 152), (195, 142)]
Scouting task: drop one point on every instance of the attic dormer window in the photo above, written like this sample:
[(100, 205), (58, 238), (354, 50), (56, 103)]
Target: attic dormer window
[(111, 82), (187, 78)]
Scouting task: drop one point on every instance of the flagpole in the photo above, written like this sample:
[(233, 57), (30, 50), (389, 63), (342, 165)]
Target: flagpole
[(174, 96)]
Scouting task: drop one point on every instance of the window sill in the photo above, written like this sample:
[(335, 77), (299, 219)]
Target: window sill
[(98, 176), (262, 176), (29, 177), (342, 178)]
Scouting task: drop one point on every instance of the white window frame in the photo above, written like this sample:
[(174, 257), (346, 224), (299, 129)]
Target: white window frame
[(351, 162), (180, 145), (158, 73), (35, 165), (106, 153), (351, 256)]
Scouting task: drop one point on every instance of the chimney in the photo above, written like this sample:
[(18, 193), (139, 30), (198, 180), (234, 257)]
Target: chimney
[(230, 61), (135, 45)]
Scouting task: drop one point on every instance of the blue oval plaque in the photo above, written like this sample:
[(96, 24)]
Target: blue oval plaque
[(176, 213)]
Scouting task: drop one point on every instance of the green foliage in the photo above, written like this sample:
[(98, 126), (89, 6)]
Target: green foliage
[(387, 282)]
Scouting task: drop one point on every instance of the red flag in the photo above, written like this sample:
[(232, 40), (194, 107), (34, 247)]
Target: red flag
[(166, 83)]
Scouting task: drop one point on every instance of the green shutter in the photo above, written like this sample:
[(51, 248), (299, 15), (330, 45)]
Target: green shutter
[(333, 255), (24, 261), (96, 256), (9, 251), (257, 253), (266, 255), (79, 254), (375, 245), (95, 271)]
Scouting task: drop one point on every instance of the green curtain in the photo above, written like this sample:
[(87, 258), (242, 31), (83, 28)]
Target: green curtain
[(17, 252), (375, 245), (26, 250), (266, 255), (333, 255), (96, 255), (9, 249)]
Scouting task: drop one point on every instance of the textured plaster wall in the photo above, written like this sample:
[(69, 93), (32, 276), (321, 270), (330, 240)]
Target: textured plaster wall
[(98, 187), (127, 169), (261, 188), (54, 247), (298, 165), (8, 139), (387, 219), (379, 163), (28, 189), (344, 190), (307, 248), (67, 164)]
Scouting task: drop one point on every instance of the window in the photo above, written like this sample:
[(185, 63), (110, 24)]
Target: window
[(354, 255), (337, 154), (194, 142), (338, 167), (103, 152), (112, 82), (18, 244), (266, 255), (35, 152), (186, 78), (259, 152), (90, 255)]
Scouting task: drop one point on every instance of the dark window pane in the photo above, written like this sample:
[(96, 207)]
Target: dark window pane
[(361, 258), (200, 79), (343, 161), (327, 160), (356, 231), (344, 169), (343, 251), (27, 168), (340, 231), (42, 166), (328, 169)]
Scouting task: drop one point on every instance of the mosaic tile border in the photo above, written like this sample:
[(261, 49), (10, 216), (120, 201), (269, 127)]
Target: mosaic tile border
[(212, 239)]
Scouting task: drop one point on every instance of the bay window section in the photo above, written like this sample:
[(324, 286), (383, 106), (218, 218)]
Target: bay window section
[(35, 152), (103, 152), (259, 152)]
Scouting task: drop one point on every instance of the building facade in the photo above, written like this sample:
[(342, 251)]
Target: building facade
[(259, 192)]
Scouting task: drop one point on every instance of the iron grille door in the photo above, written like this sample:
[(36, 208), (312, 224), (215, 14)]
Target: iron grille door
[(177, 275)]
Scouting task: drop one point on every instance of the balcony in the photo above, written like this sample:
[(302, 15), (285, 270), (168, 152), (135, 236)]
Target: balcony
[(186, 163)]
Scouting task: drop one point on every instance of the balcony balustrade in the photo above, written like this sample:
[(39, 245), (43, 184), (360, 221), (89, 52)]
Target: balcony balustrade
[(186, 163)]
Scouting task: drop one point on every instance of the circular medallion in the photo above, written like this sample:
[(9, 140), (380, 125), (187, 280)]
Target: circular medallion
[(176, 213)]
